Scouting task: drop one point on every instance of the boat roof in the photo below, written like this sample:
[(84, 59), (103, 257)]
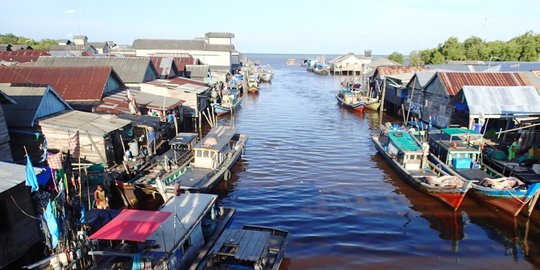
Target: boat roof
[(250, 244), (131, 225), (216, 138), (459, 131), (183, 138), (404, 141), (190, 209)]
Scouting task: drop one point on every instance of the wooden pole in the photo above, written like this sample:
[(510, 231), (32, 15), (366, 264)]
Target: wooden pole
[(381, 111), (403, 114), (412, 95)]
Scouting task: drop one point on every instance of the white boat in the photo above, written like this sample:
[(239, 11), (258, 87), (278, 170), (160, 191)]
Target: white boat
[(214, 157), (172, 238)]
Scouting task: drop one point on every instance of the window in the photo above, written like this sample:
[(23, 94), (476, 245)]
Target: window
[(205, 154)]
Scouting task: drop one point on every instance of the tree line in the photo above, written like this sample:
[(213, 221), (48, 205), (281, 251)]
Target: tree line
[(12, 39), (525, 48)]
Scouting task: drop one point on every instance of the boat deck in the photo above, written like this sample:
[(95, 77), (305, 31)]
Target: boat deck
[(422, 173), (473, 174), (194, 177)]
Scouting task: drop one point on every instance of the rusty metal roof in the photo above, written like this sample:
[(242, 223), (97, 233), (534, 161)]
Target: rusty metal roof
[(22, 55), (389, 70), (117, 102), (454, 81), (72, 83), (164, 66), (181, 62)]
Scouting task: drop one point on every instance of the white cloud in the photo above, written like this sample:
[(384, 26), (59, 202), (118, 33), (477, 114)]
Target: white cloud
[(70, 11)]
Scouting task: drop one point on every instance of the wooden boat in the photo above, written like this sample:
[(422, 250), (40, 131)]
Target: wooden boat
[(251, 247), (229, 101), (460, 149), (171, 238), (349, 100), (291, 62), (410, 159), (253, 84), (214, 157), (321, 69)]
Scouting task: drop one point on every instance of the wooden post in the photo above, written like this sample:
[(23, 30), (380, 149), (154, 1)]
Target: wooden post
[(175, 125), (381, 109), (412, 95)]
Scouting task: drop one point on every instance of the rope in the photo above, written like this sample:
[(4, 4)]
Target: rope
[(30, 216)]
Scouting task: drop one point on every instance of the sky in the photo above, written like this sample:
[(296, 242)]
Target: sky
[(278, 26)]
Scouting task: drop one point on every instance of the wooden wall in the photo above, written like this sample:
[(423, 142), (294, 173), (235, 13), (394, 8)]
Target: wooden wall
[(17, 231)]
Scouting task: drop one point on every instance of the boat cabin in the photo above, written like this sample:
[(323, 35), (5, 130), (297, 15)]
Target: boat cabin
[(211, 150), (408, 152), (458, 147), (170, 238)]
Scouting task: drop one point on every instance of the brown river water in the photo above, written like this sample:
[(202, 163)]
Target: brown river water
[(310, 168)]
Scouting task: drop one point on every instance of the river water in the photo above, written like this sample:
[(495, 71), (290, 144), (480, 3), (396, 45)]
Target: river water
[(310, 168)]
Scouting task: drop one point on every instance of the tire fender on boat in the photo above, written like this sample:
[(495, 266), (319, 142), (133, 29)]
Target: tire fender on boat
[(227, 175)]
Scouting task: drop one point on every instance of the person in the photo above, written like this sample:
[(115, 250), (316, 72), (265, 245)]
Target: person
[(101, 200), (512, 149)]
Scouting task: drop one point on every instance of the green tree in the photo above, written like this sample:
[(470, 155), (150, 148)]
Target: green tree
[(415, 58), (452, 49), (396, 57), (437, 57)]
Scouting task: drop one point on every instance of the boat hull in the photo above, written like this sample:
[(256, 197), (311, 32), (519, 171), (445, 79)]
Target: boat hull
[(511, 201), (359, 107), (449, 196), (374, 106)]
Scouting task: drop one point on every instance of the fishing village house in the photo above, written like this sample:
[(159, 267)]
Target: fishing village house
[(5, 150), (72, 50), (350, 64), (18, 232), (443, 86), (215, 49), (182, 61), (391, 81), (40, 113), (82, 87), (195, 95), (198, 72), (31, 102), (165, 66)]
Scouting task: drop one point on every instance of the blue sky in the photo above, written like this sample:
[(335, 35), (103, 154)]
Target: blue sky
[(277, 26)]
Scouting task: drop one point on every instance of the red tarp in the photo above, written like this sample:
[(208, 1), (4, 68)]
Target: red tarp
[(131, 225)]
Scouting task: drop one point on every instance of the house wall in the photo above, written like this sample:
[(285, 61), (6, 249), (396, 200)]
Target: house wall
[(212, 58), (17, 231), (50, 104), (436, 104), (416, 97), (220, 41), (5, 150), (57, 138), (111, 85)]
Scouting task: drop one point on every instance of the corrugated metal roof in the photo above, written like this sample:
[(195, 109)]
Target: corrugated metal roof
[(220, 136), (12, 175), (181, 62), (464, 67), (164, 65), (382, 62), (22, 55), (531, 78), (28, 98), (341, 58), (99, 124), (117, 102), (502, 100), (72, 83), (177, 44), (390, 70), (130, 69), (219, 35), (72, 47), (453, 81), (197, 71)]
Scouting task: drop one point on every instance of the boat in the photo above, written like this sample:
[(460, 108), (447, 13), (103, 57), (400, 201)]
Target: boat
[(264, 74), (409, 158), (460, 150), (291, 62), (321, 69), (229, 101), (250, 247), (370, 99), (173, 237), (253, 84), (214, 157), (349, 100)]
